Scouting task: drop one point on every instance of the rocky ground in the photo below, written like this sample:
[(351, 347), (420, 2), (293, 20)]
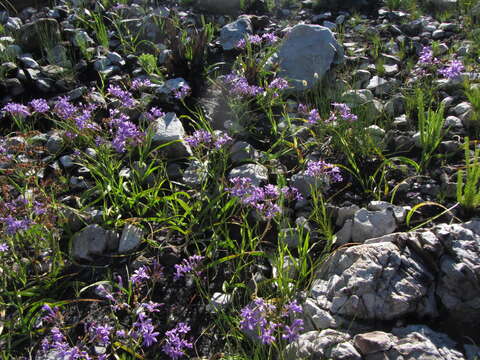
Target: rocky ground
[(240, 179)]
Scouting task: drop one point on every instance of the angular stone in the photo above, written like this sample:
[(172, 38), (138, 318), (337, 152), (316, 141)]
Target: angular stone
[(371, 224), (130, 239), (232, 33), (169, 128), (307, 53)]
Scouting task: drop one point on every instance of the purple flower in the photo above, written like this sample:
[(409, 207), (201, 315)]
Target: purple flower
[(240, 86), (175, 342), (154, 114), (124, 96), (254, 319), (222, 140), (255, 39), (101, 333), (52, 315), (323, 169), (291, 332), (302, 109), (182, 92), (199, 137), (241, 44), (345, 112), (101, 291), (313, 116), (126, 133), (64, 108), (15, 109), (151, 306), (270, 38), (187, 266), (3, 247), (291, 193), (14, 225), (141, 83), (454, 70), (426, 56), (39, 105), (140, 275), (293, 307), (278, 83), (145, 329)]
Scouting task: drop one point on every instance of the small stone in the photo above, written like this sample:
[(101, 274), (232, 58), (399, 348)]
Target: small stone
[(92, 240), (232, 33), (130, 239), (371, 224), (373, 342), (55, 143), (255, 172)]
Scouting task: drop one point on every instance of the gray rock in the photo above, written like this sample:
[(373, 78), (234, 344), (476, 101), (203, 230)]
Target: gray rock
[(382, 87), (67, 161), (346, 212), (345, 351), (371, 224), (55, 143), (241, 151), (78, 183), (130, 239), (344, 235), (232, 33), (255, 172), (380, 281), (219, 6), (315, 345), (361, 78), (195, 174), (14, 86), (439, 34), (373, 342), (29, 62), (395, 106), (421, 342), (461, 108), (399, 212), (92, 240), (102, 63), (307, 53), (169, 128)]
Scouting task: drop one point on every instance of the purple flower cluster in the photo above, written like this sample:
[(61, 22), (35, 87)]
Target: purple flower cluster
[(145, 330), (278, 83), (205, 138), (15, 109), (255, 318), (59, 343), (141, 83), (125, 97), (187, 266), (263, 198), (313, 116), (126, 132), (101, 333), (4, 247), (143, 273), (344, 111), (175, 343), (269, 38), (39, 105), (64, 108), (182, 92), (51, 315), (324, 170), (239, 86), (454, 70), (426, 56), (154, 114), (13, 225)]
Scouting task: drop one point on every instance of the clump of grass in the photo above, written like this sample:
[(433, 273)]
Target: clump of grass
[(430, 126), (468, 186)]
